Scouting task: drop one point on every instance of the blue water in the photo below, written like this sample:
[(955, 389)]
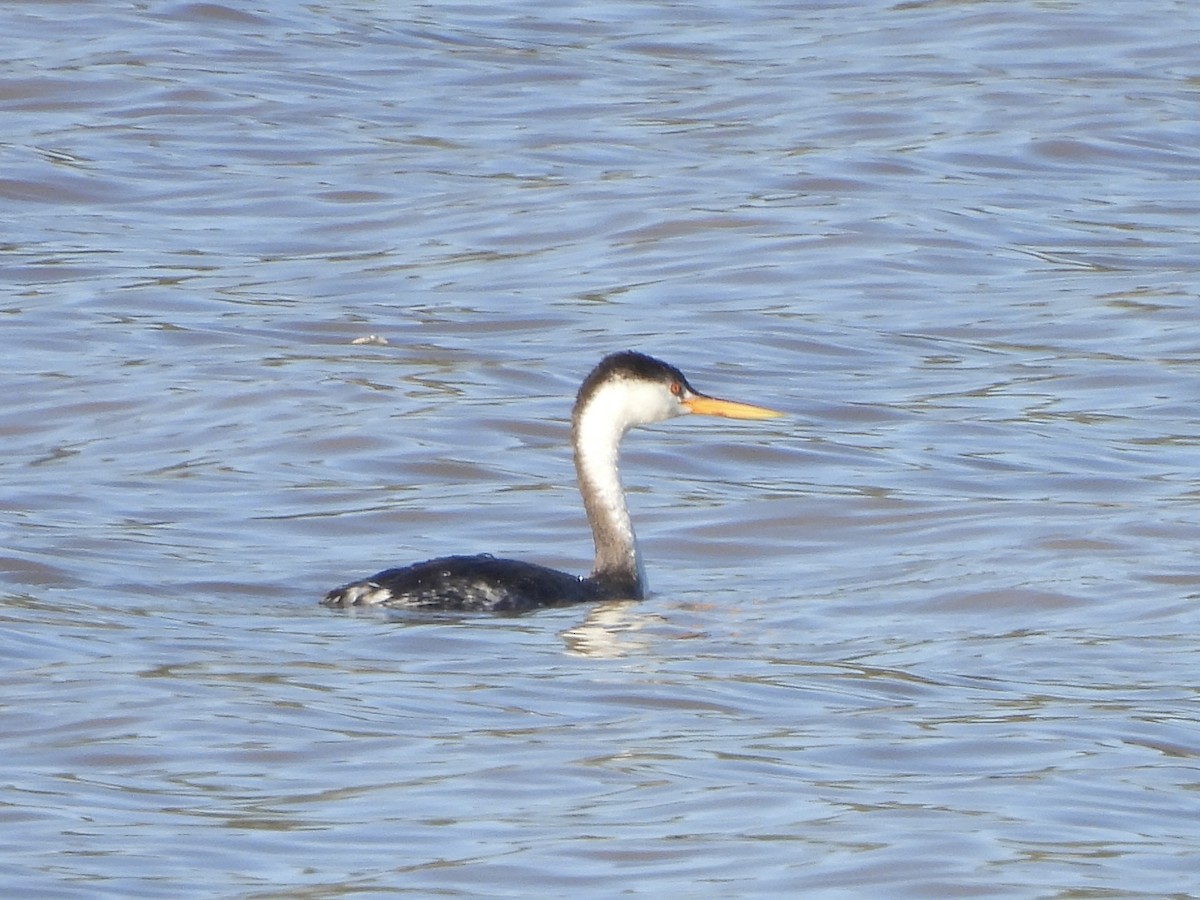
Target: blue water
[(932, 634)]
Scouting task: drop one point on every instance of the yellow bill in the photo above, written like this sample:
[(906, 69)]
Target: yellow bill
[(711, 406)]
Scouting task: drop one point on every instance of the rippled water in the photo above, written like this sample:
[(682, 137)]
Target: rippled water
[(933, 634)]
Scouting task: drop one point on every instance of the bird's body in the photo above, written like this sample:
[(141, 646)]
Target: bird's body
[(624, 390), (479, 583)]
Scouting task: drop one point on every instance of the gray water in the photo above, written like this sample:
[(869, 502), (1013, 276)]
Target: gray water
[(933, 634)]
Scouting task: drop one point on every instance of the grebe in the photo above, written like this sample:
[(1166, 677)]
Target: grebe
[(624, 390)]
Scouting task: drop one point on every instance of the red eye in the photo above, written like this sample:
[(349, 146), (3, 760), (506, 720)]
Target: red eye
[(676, 388)]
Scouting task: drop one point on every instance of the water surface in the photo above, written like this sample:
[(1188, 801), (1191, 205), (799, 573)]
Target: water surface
[(932, 634)]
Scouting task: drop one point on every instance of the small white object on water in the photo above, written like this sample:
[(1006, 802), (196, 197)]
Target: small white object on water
[(370, 339)]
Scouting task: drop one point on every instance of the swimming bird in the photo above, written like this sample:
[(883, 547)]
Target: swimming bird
[(624, 390)]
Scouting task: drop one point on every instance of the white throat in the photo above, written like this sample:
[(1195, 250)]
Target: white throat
[(598, 428)]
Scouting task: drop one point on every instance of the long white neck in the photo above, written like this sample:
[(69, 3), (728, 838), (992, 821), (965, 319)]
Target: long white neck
[(597, 430)]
